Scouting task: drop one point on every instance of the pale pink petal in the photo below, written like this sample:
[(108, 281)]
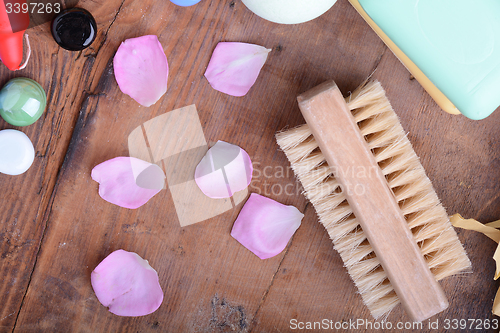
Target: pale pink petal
[(127, 181), (127, 284), (141, 69), (234, 67), (223, 171), (265, 226)]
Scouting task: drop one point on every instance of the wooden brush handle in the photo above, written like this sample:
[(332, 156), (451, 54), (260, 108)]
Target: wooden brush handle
[(371, 200)]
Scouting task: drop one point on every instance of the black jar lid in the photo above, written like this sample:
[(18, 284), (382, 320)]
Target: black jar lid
[(74, 29)]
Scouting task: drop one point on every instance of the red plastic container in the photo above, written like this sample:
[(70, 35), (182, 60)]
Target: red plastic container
[(13, 24)]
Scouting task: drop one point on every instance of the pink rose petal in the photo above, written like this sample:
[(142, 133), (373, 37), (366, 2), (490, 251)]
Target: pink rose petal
[(265, 226), (127, 285), (127, 181), (141, 69), (223, 171), (234, 67)]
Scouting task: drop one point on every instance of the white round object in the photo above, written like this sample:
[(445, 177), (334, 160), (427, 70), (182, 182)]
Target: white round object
[(16, 152), (289, 11)]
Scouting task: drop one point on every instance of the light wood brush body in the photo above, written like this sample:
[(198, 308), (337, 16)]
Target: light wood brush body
[(371, 193)]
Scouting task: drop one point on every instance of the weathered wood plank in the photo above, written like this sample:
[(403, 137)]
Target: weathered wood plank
[(25, 198)]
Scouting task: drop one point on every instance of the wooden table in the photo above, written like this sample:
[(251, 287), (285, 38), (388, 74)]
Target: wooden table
[(54, 227)]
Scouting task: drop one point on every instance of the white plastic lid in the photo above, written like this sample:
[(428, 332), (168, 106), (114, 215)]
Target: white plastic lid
[(289, 11), (16, 152)]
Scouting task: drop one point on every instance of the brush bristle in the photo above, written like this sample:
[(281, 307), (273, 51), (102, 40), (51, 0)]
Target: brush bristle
[(406, 177)]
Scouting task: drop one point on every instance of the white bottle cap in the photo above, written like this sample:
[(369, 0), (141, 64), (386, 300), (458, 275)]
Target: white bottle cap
[(16, 152), (289, 11)]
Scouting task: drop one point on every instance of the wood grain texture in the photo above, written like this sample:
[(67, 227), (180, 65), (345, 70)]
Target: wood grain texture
[(26, 199), (54, 228)]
